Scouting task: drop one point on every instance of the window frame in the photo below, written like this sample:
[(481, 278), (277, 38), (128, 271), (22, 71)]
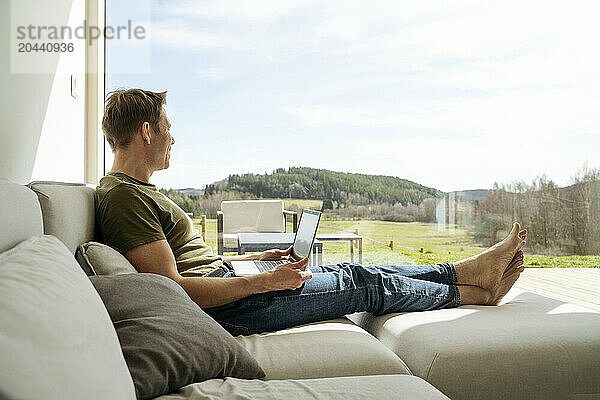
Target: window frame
[(95, 89)]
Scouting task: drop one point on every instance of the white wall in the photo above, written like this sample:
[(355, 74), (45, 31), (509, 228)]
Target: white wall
[(42, 128)]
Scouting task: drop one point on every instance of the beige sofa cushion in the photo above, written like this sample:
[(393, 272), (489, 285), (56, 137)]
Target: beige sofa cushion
[(99, 259), (68, 211), (20, 214), (56, 338), (253, 216), (402, 387), (528, 347), (324, 349)]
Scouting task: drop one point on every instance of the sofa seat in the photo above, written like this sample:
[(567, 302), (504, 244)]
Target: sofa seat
[(528, 347), (345, 388), (319, 350)]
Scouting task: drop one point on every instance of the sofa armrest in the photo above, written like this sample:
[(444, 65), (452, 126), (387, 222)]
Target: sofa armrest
[(294, 217)]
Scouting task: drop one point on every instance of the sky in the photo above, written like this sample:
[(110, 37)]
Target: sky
[(453, 95)]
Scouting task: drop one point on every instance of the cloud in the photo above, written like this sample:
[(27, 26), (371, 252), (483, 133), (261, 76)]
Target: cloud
[(241, 10), (529, 114), (473, 82), (212, 74), (178, 34)]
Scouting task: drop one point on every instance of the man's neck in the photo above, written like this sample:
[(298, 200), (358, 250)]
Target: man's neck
[(130, 166)]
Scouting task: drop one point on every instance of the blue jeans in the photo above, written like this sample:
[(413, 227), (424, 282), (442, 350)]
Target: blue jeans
[(337, 290)]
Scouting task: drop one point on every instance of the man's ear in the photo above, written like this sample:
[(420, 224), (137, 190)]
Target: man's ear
[(146, 133)]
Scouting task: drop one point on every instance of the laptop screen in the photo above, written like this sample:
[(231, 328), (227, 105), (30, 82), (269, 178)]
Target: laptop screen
[(309, 221)]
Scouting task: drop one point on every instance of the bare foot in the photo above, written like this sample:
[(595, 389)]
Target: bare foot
[(514, 262), (508, 279), (486, 269), (476, 295)]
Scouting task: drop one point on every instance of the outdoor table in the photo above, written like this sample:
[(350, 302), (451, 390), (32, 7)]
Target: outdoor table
[(267, 241), (350, 237)]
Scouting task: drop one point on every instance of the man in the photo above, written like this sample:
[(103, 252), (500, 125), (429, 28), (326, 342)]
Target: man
[(158, 237)]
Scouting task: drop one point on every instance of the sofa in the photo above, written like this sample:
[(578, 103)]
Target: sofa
[(50, 346)]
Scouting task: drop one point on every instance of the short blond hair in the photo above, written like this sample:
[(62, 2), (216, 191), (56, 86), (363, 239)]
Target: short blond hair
[(126, 110)]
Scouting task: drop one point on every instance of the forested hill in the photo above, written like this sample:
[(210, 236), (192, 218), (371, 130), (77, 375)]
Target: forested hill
[(322, 184)]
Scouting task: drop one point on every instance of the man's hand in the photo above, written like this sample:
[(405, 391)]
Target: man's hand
[(275, 255), (288, 276)]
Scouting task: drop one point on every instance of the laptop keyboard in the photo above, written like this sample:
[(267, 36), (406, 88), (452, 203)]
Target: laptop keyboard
[(267, 265)]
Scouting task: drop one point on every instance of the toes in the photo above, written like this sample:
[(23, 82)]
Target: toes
[(507, 282), (513, 266), (518, 257), (509, 274), (523, 234), (516, 271), (516, 261), (516, 228), (519, 254)]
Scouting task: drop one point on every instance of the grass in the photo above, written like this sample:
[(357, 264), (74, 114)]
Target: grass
[(408, 239), (562, 261)]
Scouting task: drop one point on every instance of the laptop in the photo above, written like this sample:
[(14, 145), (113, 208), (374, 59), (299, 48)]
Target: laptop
[(303, 242)]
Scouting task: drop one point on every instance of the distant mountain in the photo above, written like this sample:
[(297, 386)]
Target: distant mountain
[(322, 184), (190, 191)]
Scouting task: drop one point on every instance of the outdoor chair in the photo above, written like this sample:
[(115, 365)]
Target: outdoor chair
[(250, 216)]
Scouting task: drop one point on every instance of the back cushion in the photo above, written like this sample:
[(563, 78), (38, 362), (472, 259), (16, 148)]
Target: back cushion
[(20, 214), (167, 340), (56, 338), (253, 216), (99, 259), (68, 211)]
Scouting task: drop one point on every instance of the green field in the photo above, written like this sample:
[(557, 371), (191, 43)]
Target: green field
[(408, 239)]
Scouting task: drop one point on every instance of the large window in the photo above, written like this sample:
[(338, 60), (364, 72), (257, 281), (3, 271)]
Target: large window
[(490, 108)]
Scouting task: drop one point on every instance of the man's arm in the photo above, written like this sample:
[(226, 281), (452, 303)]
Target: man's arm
[(157, 257)]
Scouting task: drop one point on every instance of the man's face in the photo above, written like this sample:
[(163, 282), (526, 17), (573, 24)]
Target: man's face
[(164, 141)]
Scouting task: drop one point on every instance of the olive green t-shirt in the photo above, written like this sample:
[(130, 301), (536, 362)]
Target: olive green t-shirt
[(130, 213)]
